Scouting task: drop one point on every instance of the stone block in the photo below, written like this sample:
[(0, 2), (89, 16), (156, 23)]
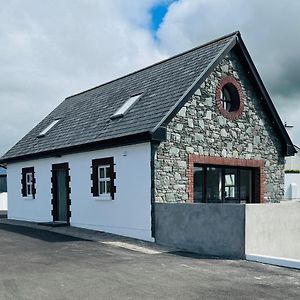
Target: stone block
[(182, 112)]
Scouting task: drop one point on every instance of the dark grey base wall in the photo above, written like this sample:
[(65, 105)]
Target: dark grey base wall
[(209, 229)]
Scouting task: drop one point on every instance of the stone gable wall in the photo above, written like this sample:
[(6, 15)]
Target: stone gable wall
[(200, 129)]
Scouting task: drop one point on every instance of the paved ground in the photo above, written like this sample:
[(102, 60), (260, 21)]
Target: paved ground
[(68, 263)]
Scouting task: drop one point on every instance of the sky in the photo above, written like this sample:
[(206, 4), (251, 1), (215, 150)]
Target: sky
[(52, 49)]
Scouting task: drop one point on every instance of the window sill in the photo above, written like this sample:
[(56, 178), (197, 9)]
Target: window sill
[(103, 198), (28, 198)]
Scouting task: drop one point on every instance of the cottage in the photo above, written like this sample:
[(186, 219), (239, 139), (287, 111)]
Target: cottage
[(198, 127)]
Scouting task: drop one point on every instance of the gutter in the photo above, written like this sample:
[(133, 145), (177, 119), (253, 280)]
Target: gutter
[(137, 138)]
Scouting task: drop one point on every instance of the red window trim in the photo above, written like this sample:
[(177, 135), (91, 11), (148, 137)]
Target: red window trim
[(233, 115), (215, 160)]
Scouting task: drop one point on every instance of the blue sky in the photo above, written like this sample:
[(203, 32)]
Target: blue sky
[(158, 12)]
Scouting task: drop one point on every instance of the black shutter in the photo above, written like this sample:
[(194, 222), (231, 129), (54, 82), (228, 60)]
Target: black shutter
[(112, 176), (23, 183), (94, 178), (33, 185)]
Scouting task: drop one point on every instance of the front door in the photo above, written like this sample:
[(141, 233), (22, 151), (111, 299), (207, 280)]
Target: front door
[(61, 192)]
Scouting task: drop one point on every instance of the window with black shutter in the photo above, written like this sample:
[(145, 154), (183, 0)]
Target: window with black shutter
[(103, 177), (28, 182)]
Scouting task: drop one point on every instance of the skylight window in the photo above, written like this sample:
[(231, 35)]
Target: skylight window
[(125, 107), (43, 132)]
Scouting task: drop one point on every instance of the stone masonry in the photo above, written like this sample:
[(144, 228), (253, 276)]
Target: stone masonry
[(200, 129)]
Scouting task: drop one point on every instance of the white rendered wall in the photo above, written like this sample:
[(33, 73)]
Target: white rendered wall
[(292, 186), (128, 214), (3, 201), (292, 162), (273, 230)]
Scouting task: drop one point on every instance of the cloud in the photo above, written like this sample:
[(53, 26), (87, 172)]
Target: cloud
[(270, 30), (51, 49)]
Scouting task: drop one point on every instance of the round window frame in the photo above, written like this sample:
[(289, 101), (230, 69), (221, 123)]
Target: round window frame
[(231, 115)]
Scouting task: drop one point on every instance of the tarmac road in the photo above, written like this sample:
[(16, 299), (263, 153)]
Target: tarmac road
[(37, 263)]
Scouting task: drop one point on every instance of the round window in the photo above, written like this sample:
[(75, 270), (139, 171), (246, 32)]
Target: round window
[(229, 98)]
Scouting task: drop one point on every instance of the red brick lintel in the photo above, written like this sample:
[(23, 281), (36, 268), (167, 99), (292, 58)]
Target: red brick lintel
[(222, 161)]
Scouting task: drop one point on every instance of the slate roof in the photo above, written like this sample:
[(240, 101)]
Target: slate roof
[(85, 117)]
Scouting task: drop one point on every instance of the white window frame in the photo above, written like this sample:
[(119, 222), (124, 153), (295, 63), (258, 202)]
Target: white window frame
[(106, 194), (29, 184)]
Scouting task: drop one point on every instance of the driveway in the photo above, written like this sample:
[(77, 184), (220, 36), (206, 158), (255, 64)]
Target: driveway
[(69, 263)]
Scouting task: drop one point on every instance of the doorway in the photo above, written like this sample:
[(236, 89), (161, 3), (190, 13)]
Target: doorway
[(61, 193)]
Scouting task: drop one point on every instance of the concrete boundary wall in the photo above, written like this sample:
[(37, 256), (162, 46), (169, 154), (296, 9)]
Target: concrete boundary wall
[(276, 261), (273, 230), (208, 229)]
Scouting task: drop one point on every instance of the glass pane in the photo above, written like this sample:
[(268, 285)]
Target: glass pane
[(229, 179), (102, 187), (3, 185), (226, 99), (230, 187), (102, 173), (246, 186), (108, 186), (107, 173), (127, 105), (29, 192), (29, 177), (214, 184), (198, 184)]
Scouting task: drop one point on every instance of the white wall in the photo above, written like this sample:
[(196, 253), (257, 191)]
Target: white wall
[(292, 162), (273, 230), (292, 186), (3, 201), (129, 214)]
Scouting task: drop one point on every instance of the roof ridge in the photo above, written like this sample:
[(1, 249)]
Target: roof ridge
[(159, 62)]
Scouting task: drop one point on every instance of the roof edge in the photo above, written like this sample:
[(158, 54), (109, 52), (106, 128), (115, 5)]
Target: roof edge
[(157, 63), (93, 146), (290, 149), (199, 80)]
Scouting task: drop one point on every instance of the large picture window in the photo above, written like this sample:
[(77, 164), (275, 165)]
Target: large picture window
[(225, 184), (103, 177)]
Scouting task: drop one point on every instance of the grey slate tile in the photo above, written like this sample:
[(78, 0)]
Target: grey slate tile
[(85, 117)]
